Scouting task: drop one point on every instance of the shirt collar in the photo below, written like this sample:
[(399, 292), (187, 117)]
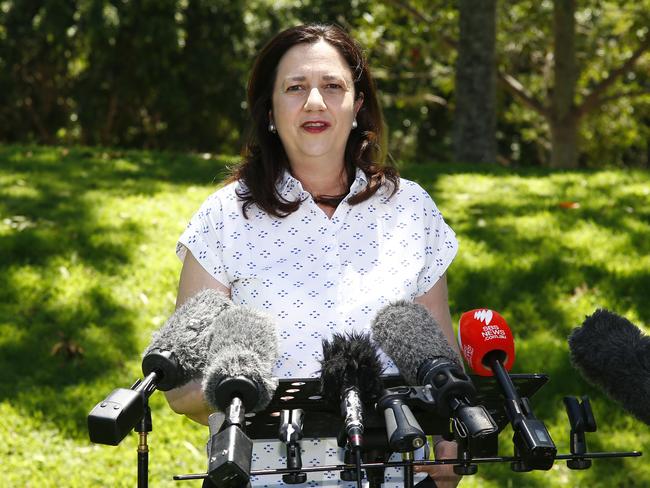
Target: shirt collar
[(359, 183), (287, 185)]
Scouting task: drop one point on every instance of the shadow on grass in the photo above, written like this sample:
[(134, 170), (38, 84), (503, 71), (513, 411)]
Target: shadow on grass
[(545, 266), (54, 349)]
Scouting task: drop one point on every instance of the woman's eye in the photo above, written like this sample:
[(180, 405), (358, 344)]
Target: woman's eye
[(294, 88), (333, 86)]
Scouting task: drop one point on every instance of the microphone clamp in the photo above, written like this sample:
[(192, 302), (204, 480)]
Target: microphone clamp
[(235, 386), (165, 364), (114, 417), (447, 380), (402, 428), (291, 423)]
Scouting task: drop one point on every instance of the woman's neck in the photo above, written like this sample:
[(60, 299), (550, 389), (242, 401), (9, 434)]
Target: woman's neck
[(320, 181)]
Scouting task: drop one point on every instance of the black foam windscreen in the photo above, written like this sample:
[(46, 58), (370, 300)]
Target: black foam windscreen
[(613, 354), (348, 360)]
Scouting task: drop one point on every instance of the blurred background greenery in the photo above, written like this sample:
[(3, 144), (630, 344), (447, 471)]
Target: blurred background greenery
[(171, 74), (118, 118)]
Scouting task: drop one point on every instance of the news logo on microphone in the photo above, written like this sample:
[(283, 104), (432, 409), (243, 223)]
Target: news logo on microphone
[(481, 331)]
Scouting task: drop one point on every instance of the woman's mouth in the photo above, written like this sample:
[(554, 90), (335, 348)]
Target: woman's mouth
[(315, 127)]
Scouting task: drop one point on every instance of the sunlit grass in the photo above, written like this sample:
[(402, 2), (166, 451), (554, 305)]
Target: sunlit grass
[(88, 271)]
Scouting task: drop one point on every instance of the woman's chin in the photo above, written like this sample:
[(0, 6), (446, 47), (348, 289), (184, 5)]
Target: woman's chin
[(318, 153)]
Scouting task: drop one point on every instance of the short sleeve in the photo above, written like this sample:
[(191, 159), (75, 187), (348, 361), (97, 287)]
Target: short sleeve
[(203, 237), (440, 249)]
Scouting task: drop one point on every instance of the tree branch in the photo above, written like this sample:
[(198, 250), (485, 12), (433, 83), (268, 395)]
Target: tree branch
[(509, 82), (513, 86), (595, 98), (404, 4), (422, 17), (629, 94)]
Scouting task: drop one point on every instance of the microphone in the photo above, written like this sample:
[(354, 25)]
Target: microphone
[(238, 379), (488, 347), (412, 338), (178, 350), (175, 356), (350, 376), (485, 332), (614, 355)]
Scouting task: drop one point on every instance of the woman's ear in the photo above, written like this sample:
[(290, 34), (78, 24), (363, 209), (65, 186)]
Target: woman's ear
[(358, 103)]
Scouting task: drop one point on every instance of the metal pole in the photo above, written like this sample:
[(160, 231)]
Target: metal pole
[(143, 461), (143, 428)]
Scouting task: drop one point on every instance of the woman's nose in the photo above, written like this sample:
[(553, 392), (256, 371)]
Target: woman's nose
[(314, 100)]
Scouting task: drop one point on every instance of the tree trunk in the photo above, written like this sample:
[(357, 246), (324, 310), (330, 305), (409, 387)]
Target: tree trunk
[(564, 142), (563, 118), (475, 115)]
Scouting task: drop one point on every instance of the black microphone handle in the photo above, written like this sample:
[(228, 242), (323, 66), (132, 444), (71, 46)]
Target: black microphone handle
[(503, 378), (352, 408), (531, 437), (115, 416), (229, 448), (454, 393), (402, 428)]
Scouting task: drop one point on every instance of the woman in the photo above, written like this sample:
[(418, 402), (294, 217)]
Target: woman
[(313, 228)]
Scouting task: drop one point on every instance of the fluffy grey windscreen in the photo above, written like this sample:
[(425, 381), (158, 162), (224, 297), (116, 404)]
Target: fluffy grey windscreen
[(187, 332), (410, 335), (244, 344)]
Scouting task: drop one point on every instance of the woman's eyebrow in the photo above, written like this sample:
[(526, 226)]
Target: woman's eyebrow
[(327, 77), (295, 78)]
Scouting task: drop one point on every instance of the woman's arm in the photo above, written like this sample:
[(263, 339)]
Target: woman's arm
[(188, 399), (195, 278), (436, 302)]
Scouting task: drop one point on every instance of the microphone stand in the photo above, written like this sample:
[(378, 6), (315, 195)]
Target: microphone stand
[(230, 449), (403, 431), (533, 443), (352, 455), (291, 422), (126, 409), (408, 469), (581, 420), (474, 451), (143, 428), (378, 457)]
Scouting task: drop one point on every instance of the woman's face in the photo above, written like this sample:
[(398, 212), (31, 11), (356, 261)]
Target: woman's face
[(314, 104)]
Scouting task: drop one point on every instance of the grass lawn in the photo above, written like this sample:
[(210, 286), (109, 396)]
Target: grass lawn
[(88, 271)]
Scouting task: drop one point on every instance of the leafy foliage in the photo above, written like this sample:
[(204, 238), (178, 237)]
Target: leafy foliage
[(616, 132), (172, 73)]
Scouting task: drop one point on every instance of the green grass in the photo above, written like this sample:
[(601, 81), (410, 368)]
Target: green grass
[(87, 268)]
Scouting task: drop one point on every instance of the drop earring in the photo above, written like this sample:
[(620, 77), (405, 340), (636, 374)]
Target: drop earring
[(354, 123), (272, 127)]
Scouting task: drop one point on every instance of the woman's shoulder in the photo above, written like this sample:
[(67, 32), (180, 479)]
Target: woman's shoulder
[(409, 184), (226, 196), (411, 191)]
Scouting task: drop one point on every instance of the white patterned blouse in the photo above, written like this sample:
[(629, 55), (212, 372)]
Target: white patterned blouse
[(318, 275)]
